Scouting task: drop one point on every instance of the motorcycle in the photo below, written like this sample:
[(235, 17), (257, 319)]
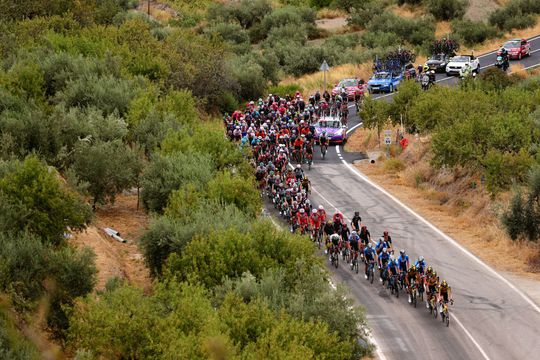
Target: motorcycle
[(425, 82), (502, 63)]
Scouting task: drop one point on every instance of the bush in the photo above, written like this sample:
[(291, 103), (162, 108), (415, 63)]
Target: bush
[(522, 218), (375, 40), (171, 234), (165, 174), (494, 79), (49, 207), (517, 14), (416, 32), (394, 165), (230, 253), (236, 190), (13, 345), (447, 9), (250, 77), (363, 12), (472, 32)]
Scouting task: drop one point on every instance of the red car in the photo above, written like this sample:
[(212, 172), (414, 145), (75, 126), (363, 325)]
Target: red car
[(517, 48), (353, 87)]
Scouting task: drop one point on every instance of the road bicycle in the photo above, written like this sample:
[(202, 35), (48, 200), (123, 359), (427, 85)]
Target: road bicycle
[(354, 262), (445, 314), (413, 292), (394, 289), (431, 304), (334, 256), (370, 272), (324, 149)]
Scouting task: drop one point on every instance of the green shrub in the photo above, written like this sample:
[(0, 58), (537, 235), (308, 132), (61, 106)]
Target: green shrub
[(13, 345), (236, 190), (171, 234), (447, 9), (517, 14), (472, 32), (250, 78), (165, 174), (522, 218), (375, 40), (416, 32), (394, 165), (246, 12), (362, 13)]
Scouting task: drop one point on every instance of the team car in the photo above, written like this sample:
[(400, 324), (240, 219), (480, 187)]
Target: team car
[(384, 81), (353, 87), (335, 130), (516, 48), (458, 63), (438, 62)]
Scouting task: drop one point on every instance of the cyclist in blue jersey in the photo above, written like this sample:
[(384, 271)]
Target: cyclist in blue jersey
[(393, 268), (384, 258), (421, 265), (403, 261), (382, 244), (370, 256)]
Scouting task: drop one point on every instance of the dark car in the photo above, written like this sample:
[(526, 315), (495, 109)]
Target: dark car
[(438, 62)]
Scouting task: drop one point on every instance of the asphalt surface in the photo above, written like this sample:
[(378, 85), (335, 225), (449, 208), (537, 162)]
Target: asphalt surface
[(491, 318)]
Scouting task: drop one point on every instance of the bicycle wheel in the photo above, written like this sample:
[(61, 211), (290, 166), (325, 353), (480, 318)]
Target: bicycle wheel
[(435, 311), (372, 275), (414, 299), (397, 292), (447, 320)]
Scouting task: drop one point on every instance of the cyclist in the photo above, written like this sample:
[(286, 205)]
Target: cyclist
[(393, 269), (444, 295), (420, 265), (403, 261), (334, 241), (384, 258), (382, 244), (356, 220), (365, 236), (354, 240), (432, 282), (306, 185), (298, 172), (338, 220), (315, 223), (411, 279), (328, 230), (323, 141), (345, 232), (298, 148), (322, 213), (387, 238), (302, 220), (309, 151), (370, 256)]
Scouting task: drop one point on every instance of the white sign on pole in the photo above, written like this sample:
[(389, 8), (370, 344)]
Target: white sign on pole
[(324, 66), (388, 137)]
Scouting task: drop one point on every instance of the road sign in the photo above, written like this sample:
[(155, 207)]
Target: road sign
[(324, 66), (388, 137)]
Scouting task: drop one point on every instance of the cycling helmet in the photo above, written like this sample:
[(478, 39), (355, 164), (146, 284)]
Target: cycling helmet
[(402, 252), (314, 211), (356, 213), (298, 166), (302, 211), (352, 232), (370, 245), (444, 283), (307, 201), (385, 233), (421, 258), (384, 250), (412, 268), (429, 268), (392, 258), (261, 164), (434, 273), (321, 207)]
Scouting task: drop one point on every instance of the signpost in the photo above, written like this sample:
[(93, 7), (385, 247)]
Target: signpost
[(387, 137), (324, 68)]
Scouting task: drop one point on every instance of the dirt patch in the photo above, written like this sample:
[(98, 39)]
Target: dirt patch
[(332, 25), (479, 10), (115, 259), (456, 203)]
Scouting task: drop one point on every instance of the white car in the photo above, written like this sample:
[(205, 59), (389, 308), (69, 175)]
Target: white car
[(458, 63)]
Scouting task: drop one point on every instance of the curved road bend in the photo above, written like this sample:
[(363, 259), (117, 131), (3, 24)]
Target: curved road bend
[(491, 319)]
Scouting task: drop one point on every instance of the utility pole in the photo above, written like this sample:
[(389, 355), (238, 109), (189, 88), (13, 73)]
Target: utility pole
[(148, 8)]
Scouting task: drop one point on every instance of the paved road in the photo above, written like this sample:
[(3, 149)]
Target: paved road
[(491, 318)]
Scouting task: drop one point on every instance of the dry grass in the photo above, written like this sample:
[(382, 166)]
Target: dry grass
[(464, 212), (327, 13), (161, 12), (442, 29), (408, 11), (479, 10), (313, 82), (363, 140)]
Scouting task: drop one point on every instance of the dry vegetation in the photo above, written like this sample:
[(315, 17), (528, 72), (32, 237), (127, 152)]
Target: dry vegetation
[(454, 201)]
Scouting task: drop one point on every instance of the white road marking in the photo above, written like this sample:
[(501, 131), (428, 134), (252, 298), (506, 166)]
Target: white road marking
[(470, 337)]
